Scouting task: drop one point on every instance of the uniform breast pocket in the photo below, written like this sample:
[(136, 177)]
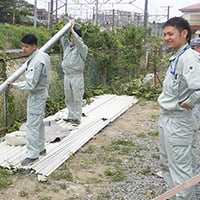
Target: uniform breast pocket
[(175, 84), (171, 84)]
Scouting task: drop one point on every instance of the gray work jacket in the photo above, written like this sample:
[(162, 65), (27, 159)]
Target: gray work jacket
[(182, 81), (37, 73), (74, 57)]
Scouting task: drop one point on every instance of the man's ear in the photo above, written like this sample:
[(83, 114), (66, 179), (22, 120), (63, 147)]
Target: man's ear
[(35, 46), (185, 33)]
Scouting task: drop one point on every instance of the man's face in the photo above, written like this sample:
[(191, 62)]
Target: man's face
[(72, 40), (174, 38), (28, 49)]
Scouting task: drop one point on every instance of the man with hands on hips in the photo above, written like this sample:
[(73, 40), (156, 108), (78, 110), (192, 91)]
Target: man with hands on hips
[(178, 126)]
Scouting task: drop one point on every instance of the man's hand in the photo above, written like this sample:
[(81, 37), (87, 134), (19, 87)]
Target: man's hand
[(10, 85), (72, 24), (185, 105)]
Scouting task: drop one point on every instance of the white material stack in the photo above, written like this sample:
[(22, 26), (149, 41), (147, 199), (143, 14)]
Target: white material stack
[(102, 111)]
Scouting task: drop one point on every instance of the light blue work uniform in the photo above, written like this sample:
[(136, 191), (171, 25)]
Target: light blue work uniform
[(73, 64), (36, 82), (178, 126)]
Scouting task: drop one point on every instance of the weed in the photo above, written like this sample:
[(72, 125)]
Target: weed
[(155, 116), (112, 147), (116, 175), (126, 150), (90, 149), (123, 142), (150, 194), (63, 186), (154, 134), (63, 173), (71, 156), (4, 173), (23, 193), (4, 183), (134, 167), (16, 125), (4, 178), (146, 170), (122, 146), (156, 156)]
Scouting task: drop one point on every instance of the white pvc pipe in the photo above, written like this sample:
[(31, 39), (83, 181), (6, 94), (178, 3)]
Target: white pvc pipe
[(45, 47)]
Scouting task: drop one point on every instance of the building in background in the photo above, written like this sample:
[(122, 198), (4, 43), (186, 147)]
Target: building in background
[(109, 19), (192, 14)]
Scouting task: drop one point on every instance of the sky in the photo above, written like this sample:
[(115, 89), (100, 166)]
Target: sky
[(157, 9)]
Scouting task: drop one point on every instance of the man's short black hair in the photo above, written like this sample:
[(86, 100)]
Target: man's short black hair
[(181, 24), (29, 39)]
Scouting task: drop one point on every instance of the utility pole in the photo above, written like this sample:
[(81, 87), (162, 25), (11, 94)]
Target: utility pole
[(49, 8), (51, 16), (113, 19), (146, 13), (35, 14), (96, 13), (168, 10), (56, 10), (65, 7)]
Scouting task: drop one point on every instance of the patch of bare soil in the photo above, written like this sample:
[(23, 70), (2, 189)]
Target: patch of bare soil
[(83, 175)]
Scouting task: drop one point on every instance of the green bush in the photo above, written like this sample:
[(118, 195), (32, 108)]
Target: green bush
[(10, 36)]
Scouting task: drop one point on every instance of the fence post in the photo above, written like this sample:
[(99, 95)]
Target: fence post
[(3, 76)]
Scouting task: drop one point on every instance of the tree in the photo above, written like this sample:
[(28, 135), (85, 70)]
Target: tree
[(11, 10), (6, 10)]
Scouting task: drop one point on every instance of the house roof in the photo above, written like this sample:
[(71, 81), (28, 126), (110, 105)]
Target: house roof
[(195, 27), (191, 8)]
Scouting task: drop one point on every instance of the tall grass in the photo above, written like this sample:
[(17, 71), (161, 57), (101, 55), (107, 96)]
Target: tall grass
[(10, 35), (17, 100)]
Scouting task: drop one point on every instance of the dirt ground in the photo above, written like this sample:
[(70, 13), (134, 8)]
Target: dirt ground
[(88, 178)]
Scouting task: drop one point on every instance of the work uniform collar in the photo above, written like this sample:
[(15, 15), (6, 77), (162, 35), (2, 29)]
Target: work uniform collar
[(33, 54), (179, 52)]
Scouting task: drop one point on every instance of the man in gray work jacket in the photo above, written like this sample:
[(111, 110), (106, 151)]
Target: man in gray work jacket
[(177, 122), (74, 57), (36, 82)]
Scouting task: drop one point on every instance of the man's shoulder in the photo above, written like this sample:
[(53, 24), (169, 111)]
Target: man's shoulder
[(42, 53), (190, 54), (41, 57)]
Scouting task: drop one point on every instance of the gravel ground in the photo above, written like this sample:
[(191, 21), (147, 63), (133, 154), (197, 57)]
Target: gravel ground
[(142, 164), (141, 167)]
